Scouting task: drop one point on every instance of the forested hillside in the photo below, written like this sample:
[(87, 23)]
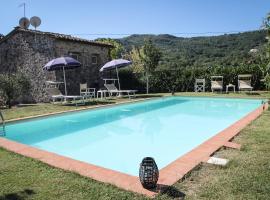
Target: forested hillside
[(231, 49)]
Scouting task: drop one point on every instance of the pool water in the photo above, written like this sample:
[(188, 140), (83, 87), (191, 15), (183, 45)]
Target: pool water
[(119, 137)]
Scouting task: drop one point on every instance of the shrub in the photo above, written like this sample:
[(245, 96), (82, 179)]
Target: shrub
[(130, 80), (12, 86), (267, 81), (183, 79)]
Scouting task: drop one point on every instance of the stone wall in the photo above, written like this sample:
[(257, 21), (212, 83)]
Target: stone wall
[(88, 72), (27, 53)]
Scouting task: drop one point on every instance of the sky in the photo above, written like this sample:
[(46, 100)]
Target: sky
[(119, 18)]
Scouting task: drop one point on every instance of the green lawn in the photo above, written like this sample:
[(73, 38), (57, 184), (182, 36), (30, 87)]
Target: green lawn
[(246, 177), (47, 108)]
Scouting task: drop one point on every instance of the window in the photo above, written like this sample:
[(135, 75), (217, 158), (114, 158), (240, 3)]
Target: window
[(74, 55), (94, 59)]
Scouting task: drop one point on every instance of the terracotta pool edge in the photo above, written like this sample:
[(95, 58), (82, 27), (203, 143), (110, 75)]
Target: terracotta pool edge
[(168, 175), (184, 164)]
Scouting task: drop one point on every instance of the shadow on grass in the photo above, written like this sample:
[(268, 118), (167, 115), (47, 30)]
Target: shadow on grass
[(25, 105), (25, 194), (169, 191), (148, 95), (108, 100), (252, 93), (89, 103), (19, 106)]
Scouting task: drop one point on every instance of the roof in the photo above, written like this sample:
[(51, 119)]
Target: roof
[(55, 35)]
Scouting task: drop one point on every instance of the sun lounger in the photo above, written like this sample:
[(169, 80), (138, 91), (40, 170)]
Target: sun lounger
[(244, 82), (216, 83), (56, 94), (112, 89), (75, 99)]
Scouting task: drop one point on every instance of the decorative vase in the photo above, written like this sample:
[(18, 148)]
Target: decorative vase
[(148, 173)]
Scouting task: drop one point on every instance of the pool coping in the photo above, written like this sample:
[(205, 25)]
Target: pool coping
[(168, 175)]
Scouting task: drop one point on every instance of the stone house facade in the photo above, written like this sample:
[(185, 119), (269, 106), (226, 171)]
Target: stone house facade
[(27, 51)]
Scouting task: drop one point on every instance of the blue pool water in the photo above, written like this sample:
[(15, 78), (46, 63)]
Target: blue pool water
[(119, 137)]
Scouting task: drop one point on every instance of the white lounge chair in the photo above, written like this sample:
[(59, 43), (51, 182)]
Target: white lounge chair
[(112, 89), (87, 92), (199, 85), (244, 82), (216, 83), (56, 94)]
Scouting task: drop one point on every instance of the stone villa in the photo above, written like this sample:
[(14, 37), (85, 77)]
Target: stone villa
[(27, 51)]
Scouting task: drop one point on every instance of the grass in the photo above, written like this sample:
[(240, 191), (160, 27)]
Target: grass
[(246, 177), (27, 110), (25, 178)]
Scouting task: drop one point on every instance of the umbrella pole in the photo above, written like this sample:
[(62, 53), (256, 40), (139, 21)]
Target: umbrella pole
[(65, 80), (118, 78)]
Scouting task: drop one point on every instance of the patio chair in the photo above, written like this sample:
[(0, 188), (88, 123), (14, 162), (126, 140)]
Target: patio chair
[(87, 92), (199, 85), (216, 83), (244, 82), (112, 89)]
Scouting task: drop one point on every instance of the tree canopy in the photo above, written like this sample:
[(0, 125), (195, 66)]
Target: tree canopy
[(145, 60), (178, 52), (267, 68), (117, 50)]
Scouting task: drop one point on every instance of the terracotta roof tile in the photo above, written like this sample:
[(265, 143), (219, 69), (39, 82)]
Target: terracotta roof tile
[(57, 36)]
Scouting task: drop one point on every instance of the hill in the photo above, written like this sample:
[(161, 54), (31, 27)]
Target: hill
[(228, 49)]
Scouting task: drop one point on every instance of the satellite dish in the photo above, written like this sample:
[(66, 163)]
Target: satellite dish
[(35, 21), (24, 22)]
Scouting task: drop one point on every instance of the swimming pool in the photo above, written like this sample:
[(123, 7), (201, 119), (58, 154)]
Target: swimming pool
[(119, 137)]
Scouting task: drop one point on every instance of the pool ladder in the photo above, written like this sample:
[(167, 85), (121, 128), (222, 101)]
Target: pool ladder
[(2, 125)]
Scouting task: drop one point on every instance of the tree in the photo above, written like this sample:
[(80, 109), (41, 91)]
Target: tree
[(267, 68), (137, 57), (151, 57), (145, 60), (166, 79), (116, 51), (12, 86)]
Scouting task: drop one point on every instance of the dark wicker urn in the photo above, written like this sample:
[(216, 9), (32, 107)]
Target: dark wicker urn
[(148, 173)]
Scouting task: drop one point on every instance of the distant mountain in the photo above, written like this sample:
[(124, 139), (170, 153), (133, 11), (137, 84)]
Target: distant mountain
[(228, 49)]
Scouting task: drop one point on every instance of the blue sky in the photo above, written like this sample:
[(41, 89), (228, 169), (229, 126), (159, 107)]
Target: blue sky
[(188, 17)]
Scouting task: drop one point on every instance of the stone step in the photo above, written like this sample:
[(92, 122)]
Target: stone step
[(232, 145), (217, 161)]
